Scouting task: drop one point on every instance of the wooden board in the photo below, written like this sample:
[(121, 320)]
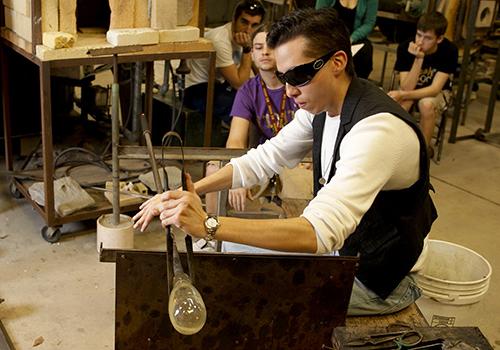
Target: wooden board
[(411, 316), (87, 42)]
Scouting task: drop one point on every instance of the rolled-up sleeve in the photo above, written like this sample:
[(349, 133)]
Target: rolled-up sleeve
[(286, 149)]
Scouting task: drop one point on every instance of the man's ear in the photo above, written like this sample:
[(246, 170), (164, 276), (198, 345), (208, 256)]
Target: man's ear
[(440, 38), (339, 61)]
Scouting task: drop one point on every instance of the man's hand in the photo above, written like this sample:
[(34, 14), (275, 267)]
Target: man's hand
[(242, 39), (397, 95), (237, 198), (415, 50), (148, 210), (183, 209)]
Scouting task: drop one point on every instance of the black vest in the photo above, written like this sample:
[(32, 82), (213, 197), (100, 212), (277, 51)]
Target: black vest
[(389, 237)]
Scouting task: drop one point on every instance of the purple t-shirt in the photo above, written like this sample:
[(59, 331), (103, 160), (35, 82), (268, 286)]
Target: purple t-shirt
[(250, 104)]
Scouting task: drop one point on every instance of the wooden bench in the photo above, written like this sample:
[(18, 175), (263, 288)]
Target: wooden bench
[(411, 316)]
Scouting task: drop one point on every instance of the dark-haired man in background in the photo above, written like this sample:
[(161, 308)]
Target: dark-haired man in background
[(233, 61), (371, 171), (425, 67)]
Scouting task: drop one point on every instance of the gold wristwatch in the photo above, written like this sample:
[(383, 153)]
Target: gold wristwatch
[(211, 226)]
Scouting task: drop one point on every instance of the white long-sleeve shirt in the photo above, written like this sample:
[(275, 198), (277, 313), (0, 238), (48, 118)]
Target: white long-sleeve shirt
[(381, 152)]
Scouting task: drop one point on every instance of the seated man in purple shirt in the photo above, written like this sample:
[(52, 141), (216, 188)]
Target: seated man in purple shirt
[(261, 101)]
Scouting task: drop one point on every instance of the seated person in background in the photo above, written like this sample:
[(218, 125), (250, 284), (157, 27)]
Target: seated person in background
[(359, 16), (233, 62), (425, 66), (261, 101)]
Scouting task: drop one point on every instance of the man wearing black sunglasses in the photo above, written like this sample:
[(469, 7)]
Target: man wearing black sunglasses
[(233, 60), (371, 171)]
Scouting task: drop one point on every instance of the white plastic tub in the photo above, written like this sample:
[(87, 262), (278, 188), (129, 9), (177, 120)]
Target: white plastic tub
[(453, 274)]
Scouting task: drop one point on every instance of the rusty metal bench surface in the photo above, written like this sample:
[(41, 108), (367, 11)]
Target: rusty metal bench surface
[(253, 301)]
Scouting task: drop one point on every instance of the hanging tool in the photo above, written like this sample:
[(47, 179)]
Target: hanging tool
[(159, 189), (188, 238)]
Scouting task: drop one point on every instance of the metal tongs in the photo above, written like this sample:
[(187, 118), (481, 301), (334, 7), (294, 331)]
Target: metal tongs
[(171, 249)]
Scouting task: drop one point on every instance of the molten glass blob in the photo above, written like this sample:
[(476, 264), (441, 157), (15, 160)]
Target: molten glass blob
[(186, 308)]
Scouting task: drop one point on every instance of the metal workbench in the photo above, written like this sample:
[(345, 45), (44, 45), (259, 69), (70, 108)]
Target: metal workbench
[(201, 48)]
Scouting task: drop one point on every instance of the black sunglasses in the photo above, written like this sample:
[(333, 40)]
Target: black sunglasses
[(303, 74)]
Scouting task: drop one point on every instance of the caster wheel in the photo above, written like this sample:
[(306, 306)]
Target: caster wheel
[(479, 135), (14, 192), (51, 234)]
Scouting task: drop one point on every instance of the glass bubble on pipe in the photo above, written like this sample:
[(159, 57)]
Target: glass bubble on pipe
[(186, 308)]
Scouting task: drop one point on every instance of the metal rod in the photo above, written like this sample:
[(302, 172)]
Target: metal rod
[(137, 105), (463, 72), (115, 139), (159, 188), (493, 94), (188, 239), (149, 146)]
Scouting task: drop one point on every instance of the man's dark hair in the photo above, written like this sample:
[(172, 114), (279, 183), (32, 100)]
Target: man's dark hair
[(252, 7), (435, 21), (323, 30), (264, 27)]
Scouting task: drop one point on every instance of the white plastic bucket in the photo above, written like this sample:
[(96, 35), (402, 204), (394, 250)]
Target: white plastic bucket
[(120, 236), (453, 274)]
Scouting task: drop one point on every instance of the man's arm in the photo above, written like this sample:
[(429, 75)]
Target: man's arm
[(218, 181), (238, 133), (408, 80), (238, 75), (435, 88), (183, 209)]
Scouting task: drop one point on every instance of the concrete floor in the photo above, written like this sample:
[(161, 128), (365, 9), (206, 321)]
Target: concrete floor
[(62, 293)]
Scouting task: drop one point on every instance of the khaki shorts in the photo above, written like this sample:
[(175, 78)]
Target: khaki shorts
[(441, 101)]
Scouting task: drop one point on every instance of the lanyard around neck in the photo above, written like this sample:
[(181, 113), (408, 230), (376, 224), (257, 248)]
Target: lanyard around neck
[(278, 124)]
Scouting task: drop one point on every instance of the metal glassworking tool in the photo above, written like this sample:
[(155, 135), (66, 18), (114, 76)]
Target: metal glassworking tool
[(187, 311), (188, 239), (402, 339), (159, 189)]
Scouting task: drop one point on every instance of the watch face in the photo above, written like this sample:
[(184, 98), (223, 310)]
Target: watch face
[(212, 222)]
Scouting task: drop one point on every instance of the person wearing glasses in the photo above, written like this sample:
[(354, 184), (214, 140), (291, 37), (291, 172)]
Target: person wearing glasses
[(370, 165), (233, 61), (359, 16)]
